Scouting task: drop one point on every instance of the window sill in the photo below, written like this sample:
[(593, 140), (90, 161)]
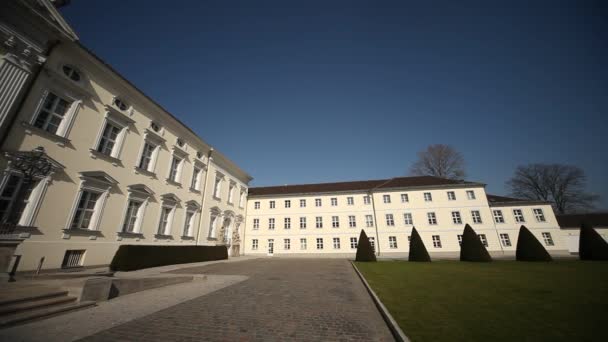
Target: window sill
[(139, 170), (130, 234), (163, 237), (96, 154), (186, 237), (59, 140), (217, 198), (212, 239), (194, 190), (172, 182), (81, 232)]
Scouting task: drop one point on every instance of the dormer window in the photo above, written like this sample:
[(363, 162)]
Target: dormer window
[(120, 104), (71, 73), (155, 127), (180, 143)]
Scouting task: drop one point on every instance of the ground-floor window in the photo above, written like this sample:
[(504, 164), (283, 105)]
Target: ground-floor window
[(287, 244), (319, 243), (254, 244), (353, 243), (548, 239), (483, 239), (436, 241), (372, 241), (505, 240), (336, 243), (392, 242), (303, 244), (73, 258), (460, 239)]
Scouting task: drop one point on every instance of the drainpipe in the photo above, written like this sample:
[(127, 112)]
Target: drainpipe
[(13, 120), (494, 223), (200, 218), (371, 195), (245, 221)]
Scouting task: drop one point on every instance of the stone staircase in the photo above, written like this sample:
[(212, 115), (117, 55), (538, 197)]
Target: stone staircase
[(24, 304)]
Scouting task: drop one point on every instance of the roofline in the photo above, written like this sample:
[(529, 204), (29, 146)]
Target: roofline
[(516, 203)]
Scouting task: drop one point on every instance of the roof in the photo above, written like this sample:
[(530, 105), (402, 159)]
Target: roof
[(366, 185), (575, 220), (495, 200)]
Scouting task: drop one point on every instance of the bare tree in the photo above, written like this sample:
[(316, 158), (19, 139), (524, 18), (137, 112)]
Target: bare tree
[(563, 185), (439, 160)]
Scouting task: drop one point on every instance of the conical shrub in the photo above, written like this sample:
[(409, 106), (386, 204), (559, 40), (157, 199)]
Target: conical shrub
[(471, 248), (365, 252), (418, 251), (591, 245), (529, 248)]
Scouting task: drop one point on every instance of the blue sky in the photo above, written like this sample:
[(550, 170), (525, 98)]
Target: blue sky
[(316, 91)]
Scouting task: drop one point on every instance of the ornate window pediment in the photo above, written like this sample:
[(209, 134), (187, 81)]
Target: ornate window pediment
[(141, 189), (98, 178), (170, 197)]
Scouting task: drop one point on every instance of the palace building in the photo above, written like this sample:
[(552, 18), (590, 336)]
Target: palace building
[(89, 162)]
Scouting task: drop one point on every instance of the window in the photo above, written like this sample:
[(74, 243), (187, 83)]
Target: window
[(476, 216), (287, 204), (256, 205), (519, 216), (366, 199), (180, 143), (392, 242), (84, 211), (287, 221), (405, 198), (428, 197), (271, 223), (242, 198), (319, 222), (147, 156), (471, 194), (231, 188), (254, 244), (71, 73), (303, 244), (483, 239), (164, 224), (174, 171), (352, 221), (409, 239), (335, 222), (436, 241), (451, 196), (19, 200), (456, 217), (498, 218), (302, 203), (334, 201), (199, 154), (353, 243), (196, 178), (319, 243), (350, 201), (131, 217), (369, 221), (217, 188), (51, 115), (272, 204), (317, 202), (390, 220), (73, 258), (256, 223), (460, 240), (505, 240), (432, 218), (108, 139), (155, 127), (336, 243), (538, 213), (287, 244), (407, 219), (302, 222), (386, 198), (8, 196), (548, 239), (213, 223), (188, 224), (372, 242), (120, 104)]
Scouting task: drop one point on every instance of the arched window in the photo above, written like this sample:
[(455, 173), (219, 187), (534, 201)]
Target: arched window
[(71, 73), (120, 104)]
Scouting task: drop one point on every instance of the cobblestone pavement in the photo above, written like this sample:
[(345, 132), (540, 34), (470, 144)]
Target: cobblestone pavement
[(283, 300)]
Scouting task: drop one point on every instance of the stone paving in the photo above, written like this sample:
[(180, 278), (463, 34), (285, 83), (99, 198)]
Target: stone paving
[(283, 300)]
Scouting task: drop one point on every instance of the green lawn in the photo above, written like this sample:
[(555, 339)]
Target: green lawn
[(497, 301)]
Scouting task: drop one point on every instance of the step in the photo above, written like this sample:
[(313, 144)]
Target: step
[(34, 304), (25, 295), (28, 316)]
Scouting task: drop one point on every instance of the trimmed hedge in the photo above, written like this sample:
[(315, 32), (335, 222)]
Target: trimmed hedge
[(471, 248), (418, 251), (591, 245), (529, 248), (365, 252), (135, 257)]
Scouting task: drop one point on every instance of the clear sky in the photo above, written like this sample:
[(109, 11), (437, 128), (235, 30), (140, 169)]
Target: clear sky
[(315, 91)]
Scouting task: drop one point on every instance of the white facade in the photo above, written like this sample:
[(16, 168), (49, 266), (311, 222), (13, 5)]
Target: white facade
[(439, 213)]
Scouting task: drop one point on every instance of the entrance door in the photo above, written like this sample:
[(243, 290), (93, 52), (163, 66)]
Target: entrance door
[(270, 247)]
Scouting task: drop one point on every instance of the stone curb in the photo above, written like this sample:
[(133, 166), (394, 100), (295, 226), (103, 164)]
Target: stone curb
[(398, 334)]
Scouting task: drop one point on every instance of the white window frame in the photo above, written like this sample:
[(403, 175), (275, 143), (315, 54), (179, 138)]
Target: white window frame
[(539, 215), (437, 241), (217, 185), (287, 223), (271, 223), (367, 199), (318, 202), (476, 216), (242, 197), (405, 198), (408, 220), (303, 244), (518, 214), (459, 237), (484, 240), (431, 218), (140, 194), (175, 174), (390, 220), (156, 141), (369, 221), (353, 243), (33, 202), (336, 242), (118, 120), (352, 221), (303, 222), (272, 204), (166, 230), (334, 201), (386, 199), (428, 197), (392, 242), (254, 244), (302, 203), (451, 196), (75, 100), (286, 244), (287, 203), (350, 200), (335, 222), (188, 229), (505, 240), (319, 222), (95, 182), (256, 205), (231, 188), (471, 195), (498, 216), (548, 239), (319, 243), (256, 224)]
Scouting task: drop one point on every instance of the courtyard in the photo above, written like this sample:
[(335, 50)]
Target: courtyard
[(497, 301)]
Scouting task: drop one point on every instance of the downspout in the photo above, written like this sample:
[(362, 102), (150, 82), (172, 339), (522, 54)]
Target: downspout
[(245, 221), (200, 218), (494, 223), (371, 194), (13, 120)]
